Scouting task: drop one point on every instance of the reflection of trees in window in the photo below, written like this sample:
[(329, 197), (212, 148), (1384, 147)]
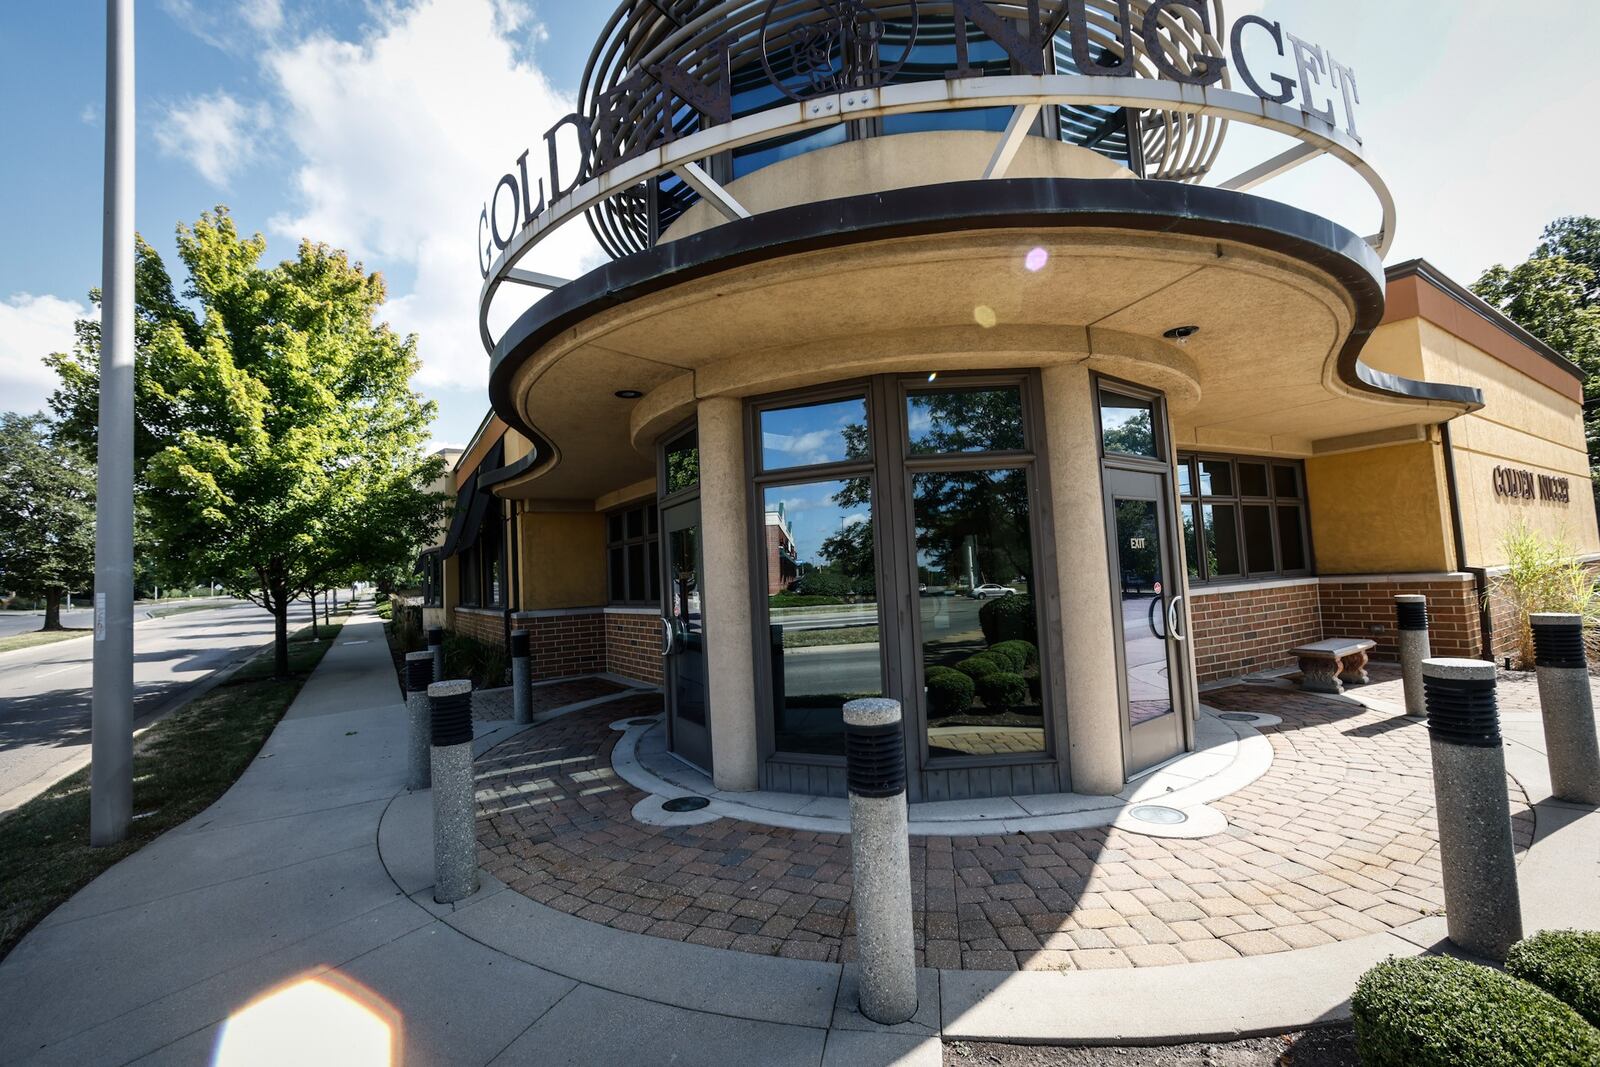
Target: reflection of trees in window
[(974, 525), (1140, 550), (967, 420), (683, 464), (1135, 437)]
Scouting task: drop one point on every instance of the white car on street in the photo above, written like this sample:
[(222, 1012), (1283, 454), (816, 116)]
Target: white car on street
[(990, 591)]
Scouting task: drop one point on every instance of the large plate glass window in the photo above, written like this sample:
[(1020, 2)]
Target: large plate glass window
[(1243, 517), (971, 488), (819, 568), (633, 555)]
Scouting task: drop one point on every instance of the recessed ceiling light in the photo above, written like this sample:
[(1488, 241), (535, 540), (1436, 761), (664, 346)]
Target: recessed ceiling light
[(1181, 333), (628, 394)]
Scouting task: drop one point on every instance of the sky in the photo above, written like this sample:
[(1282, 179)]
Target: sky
[(380, 126)]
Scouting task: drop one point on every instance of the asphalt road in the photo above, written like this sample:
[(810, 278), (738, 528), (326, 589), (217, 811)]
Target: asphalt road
[(81, 617), (45, 692)]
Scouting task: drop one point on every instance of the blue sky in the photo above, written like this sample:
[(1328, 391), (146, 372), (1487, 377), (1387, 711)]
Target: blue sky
[(380, 125)]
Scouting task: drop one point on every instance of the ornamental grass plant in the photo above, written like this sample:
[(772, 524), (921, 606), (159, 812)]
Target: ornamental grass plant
[(1543, 574)]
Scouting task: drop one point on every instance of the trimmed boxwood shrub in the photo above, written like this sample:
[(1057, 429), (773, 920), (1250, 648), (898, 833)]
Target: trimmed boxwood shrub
[(1002, 690), (1008, 618), (1563, 963), (949, 692), (981, 666), (1442, 1012), (1022, 654)]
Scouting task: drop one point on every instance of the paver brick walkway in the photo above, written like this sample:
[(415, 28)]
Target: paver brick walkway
[(1336, 841)]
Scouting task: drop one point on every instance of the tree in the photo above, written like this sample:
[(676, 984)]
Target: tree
[(46, 514), (1555, 295), (278, 437)]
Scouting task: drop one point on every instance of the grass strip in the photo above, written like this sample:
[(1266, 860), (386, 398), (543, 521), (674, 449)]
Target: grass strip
[(849, 635), (181, 765), (35, 638)]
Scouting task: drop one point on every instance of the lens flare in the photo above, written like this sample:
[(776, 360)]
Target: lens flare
[(1036, 260), (984, 316), (326, 1019)]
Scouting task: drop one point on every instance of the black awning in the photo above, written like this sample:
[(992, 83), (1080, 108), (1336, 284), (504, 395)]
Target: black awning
[(472, 503)]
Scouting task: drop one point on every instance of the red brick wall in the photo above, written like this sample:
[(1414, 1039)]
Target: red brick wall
[(1358, 608), (566, 645), (1251, 630), (633, 646), (488, 626)]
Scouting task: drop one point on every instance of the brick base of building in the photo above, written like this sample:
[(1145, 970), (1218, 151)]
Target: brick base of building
[(1246, 629), (486, 625), (618, 641)]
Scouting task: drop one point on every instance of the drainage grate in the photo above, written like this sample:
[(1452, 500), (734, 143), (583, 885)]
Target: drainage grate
[(682, 804), (1158, 815)]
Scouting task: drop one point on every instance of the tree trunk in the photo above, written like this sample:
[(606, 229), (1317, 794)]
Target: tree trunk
[(315, 633), (278, 597), (52, 610)]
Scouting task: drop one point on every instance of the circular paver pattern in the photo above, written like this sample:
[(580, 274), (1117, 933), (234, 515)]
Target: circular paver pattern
[(1336, 841)]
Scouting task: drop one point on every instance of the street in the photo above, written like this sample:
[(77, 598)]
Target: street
[(81, 617), (45, 691)]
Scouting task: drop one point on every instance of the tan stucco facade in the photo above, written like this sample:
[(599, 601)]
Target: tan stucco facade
[(562, 558), (1380, 511)]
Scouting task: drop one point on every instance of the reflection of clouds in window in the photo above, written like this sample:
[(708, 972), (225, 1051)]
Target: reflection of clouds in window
[(802, 451), (819, 433), (919, 419)]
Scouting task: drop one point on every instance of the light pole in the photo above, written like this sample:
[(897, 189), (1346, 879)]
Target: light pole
[(111, 770)]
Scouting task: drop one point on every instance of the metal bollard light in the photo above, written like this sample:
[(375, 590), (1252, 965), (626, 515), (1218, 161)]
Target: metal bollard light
[(419, 675), (880, 854), (1567, 706), (436, 648), (455, 843), (1411, 621), (1481, 902), (522, 676)]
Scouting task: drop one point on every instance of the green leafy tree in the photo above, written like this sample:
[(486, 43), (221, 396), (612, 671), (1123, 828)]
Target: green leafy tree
[(1555, 295), (278, 437), (46, 515)]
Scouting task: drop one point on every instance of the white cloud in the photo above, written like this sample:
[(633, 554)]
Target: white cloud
[(215, 133), (32, 327), (237, 27), (402, 136), (90, 115)]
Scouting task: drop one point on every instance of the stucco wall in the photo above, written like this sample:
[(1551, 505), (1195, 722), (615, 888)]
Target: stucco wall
[(563, 560), (1524, 425), (1383, 510)]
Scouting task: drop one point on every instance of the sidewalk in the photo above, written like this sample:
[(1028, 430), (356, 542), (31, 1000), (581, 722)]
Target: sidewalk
[(315, 871)]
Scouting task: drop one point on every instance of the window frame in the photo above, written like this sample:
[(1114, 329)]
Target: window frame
[(649, 539), (891, 468), (1194, 501)]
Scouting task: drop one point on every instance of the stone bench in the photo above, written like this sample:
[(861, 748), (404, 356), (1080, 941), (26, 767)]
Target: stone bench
[(1324, 664)]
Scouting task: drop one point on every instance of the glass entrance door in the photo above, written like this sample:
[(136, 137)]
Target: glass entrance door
[(684, 640), (1149, 623)]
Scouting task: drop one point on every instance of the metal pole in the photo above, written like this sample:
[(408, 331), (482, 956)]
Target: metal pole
[(880, 854), (111, 772)]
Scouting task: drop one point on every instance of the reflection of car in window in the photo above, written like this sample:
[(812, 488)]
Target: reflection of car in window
[(990, 590)]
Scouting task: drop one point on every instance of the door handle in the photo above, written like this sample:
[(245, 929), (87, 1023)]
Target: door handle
[(1172, 620), (666, 636), (1155, 606)]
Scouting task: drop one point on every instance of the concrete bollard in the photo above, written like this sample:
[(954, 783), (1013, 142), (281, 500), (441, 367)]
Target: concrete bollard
[(436, 647), (522, 675), (1481, 902), (880, 854), (419, 675), (455, 840), (1568, 707), (1411, 621)]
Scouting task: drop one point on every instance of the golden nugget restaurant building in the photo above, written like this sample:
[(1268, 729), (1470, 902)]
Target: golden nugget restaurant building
[(937, 359)]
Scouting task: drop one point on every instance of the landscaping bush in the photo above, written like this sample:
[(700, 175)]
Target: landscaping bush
[(486, 665), (981, 666), (1022, 654), (1565, 964), (949, 692), (1442, 1012), (1008, 618), (1003, 690)]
